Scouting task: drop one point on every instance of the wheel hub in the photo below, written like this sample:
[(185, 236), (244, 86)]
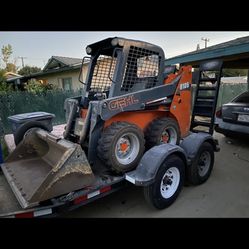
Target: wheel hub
[(165, 137), (127, 148), (167, 180), (124, 146), (170, 182), (169, 135), (204, 163)]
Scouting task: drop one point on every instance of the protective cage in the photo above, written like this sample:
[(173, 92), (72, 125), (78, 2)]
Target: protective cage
[(103, 73), (140, 71), (142, 67)]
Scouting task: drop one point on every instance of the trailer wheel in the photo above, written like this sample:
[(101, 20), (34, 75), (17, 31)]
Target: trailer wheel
[(19, 134), (162, 130), (168, 183), (202, 166), (121, 146)]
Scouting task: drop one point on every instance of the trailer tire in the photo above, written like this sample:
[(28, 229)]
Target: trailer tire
[(161, 194), (162, 130), (121, 146), (20, 132), (199, 171)]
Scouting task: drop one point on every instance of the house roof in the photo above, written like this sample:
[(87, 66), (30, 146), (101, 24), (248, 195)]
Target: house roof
[(235, 54), (55, 64), (234, 80), (68, 60), (61, 61), (10, 75)]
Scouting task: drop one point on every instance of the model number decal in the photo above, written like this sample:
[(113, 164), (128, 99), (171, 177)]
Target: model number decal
[(184, 86), (122, 102)]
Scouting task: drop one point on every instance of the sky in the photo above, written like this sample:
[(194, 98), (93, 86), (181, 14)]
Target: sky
[(38, 47)]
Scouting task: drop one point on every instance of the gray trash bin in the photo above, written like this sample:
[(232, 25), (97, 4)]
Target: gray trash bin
[(43, 117)]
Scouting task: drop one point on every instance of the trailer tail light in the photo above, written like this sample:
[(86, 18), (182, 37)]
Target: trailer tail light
[(219, 112)]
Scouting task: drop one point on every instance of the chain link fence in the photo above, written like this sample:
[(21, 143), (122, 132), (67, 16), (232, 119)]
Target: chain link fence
[(22, 102), (226, 93), (53, 102)]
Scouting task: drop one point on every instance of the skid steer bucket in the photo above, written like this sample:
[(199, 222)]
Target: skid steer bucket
[(44, 166)]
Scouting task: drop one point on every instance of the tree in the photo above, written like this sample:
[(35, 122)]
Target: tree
[(29, 70), (2, 77), (6, 53), (11, 67)]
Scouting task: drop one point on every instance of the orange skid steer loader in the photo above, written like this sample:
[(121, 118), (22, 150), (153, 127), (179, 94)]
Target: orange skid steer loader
[(131, 104)]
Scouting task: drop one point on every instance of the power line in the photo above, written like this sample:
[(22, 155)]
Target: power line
[(37, 58)]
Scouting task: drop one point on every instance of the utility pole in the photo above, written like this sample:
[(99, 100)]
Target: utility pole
[(21, 57), (206, 41)]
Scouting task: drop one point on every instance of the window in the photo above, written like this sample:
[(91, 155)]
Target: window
[(103, 73), (243, 98), (67, 84), (147, 66), (141, 71)]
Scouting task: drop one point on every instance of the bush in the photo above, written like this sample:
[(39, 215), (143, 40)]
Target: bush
[(4, 87), (35, 86), (5, 151)]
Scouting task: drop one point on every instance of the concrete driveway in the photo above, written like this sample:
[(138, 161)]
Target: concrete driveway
[(225, 194)]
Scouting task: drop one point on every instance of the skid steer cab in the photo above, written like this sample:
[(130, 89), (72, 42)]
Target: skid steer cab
[(131, 123)]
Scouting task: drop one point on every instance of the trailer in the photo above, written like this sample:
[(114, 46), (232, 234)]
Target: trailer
[(194, 158)]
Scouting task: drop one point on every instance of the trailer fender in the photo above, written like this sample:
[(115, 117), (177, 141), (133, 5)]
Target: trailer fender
[(192, 143), (151, 161)]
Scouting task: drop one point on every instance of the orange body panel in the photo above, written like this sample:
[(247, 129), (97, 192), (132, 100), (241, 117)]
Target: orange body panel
[(181, 105), (170, 78), (140, 118)]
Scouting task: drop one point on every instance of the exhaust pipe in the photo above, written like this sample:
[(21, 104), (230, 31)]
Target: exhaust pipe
[(44, 166)]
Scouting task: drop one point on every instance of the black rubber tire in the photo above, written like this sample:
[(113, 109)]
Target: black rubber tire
[(19, 133), (155, 129), (152, 193), (107, 144), (193, 176)]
